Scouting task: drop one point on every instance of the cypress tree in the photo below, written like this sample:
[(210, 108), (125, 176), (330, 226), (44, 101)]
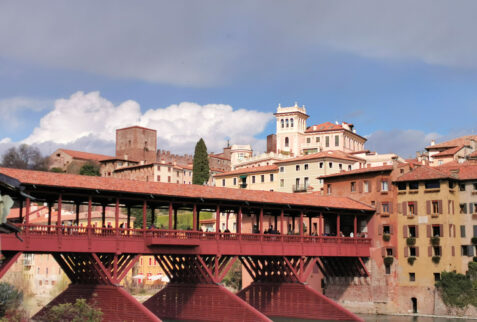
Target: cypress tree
[(201, 164)]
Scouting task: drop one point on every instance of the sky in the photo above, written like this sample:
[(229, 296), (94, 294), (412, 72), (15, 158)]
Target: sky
[(403, 72)]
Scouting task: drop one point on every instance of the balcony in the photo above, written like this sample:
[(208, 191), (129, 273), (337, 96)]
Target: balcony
[(300, 187)]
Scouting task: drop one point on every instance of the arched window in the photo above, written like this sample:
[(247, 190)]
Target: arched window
[(291, 122), (283, 123), (287, 122), (286, 142)]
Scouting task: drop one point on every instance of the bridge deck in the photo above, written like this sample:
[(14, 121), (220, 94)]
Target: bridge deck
[(43, 238)]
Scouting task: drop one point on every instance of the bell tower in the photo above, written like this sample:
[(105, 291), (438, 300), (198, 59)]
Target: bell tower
[(291, 126)]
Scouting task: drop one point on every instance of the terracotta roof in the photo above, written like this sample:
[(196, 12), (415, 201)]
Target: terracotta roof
[(64, 181), (359, 171), (448, 152), (461, 171), (86, 155), (146, 165), (423, 173), (463, 140), (334, 154), (118, 159), (219, 156), (266, 168), (473, 155), (327, 126)]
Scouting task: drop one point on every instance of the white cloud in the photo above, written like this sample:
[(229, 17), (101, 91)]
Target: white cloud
[(5, 140), (210, 42), (12, 108), (88, 120)]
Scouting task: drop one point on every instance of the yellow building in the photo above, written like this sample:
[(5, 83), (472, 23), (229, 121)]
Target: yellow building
[(254, 178)]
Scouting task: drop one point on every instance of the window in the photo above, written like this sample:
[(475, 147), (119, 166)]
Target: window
[(271, 177), (235, 181), (462, 231), (462, 186), (388, 269), (282, 182), (291, 122), (306, 179), (386, 229), (158, 178), (253, 179), (340, 166), (411, 207), (223, 182), (282, 169), (308, 140), (412, 277), (169, 179), (327, 141), (463, 208), (349, 167), (451, 184), (306, 166), (389, 252), (297, 167), (330, 165), (436, 230), (413, 185), (283, 123), (353, 186), (475, 186), (432, 184), (286, 121), (384, 186), (321, 165), (385, 207), (437, 250), (412, 251), (328, 189), (366, 186), (317, 139), (262, 178), (435, 207), (287, 142), (337, 140), (401, 186)]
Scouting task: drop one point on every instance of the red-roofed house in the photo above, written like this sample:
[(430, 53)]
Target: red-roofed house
[(71, 161), (458, 149)]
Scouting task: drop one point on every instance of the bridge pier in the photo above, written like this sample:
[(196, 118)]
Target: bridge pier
[(95, 278), (279, 290), (194, 292)]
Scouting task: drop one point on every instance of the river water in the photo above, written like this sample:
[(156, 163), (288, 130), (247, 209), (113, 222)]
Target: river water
[(384, 318)]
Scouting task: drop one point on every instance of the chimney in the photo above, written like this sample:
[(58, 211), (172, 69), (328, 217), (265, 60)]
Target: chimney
[(433, 142)]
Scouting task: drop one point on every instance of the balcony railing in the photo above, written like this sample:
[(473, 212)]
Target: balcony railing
[(300, 187)]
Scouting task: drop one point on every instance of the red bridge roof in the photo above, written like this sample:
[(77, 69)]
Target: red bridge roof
[(72, 181)]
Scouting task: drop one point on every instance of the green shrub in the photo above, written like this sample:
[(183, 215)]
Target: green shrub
[(474, 240), (386, 237), (411, 241), (456, 290), (436, 259), (80, 311), (411, 260), (10, 298), (435, 241), (388, 260)]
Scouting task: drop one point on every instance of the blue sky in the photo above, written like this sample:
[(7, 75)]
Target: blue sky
[(404, 73)]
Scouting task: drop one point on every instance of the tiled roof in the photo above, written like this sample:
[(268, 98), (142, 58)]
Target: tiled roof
[(334, 154), (118, 159), (448, 152), (71, 181), (423, 173), (473, 155), (461, 171), (327, 126), (86, 155), (359, 171), (463, 140), (266, 168), (219, 156)]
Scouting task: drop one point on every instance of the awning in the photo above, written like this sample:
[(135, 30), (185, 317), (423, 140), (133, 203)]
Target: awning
[(243, 176)]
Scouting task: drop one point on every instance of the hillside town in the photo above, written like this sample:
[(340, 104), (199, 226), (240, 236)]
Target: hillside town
[(425, 219)]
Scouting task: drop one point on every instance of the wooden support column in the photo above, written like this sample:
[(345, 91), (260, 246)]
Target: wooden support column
[(27, 211), (239, 221), (321, 224), (227, 221), (175, 218), (301, 223), (309, 225), (77, 212), (21, 210), (261, 221), (60, 201), (338, 228), (198, 219), (144, 214), (49, 213), (276, 222), (355, 224), (90, 206), (194, 218), (282, 220), (129, 217), (217, 219), (171, 210), (103, 216), (116, 217)]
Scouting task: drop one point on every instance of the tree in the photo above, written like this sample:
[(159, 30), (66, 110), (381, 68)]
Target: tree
[(201, 171), (24, 157), (10, 298), (80, 311), (90, 169)]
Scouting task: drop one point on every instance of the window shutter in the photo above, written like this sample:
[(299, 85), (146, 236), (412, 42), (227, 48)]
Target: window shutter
[(441, 228), (453, 227), (462, 231), (453, 207), (440, 206), (450, 230), (428, 206), (399, 207), (383, 251), (404, 208), (406, 251), (360, 186), (417, 230), (380, 230), (404, 231), (428, 230), (471, 250), (391, 207), (453, 251), (370, 186), (378, 208), (378, 185), (429, 251), (415, 208), (449, 202), (417, 251), (465, 208), (440, 251), (471, 208), (394, 251)]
